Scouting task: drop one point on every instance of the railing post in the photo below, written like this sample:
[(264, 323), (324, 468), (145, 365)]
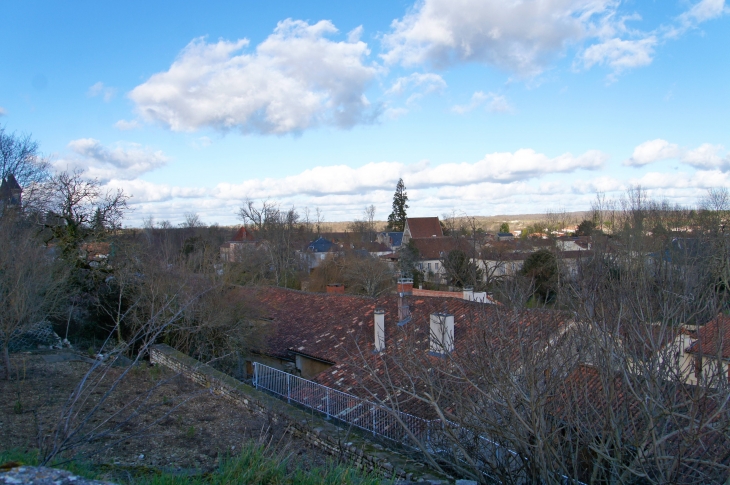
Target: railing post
[(288, 393), (255, 374), (373, 411), (327, 400)]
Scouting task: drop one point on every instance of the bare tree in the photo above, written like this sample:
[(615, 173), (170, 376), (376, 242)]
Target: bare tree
[(20, 156), (79, 209), (281, 234), (605, 393), (367, 275), (370, 220), (31, 283)]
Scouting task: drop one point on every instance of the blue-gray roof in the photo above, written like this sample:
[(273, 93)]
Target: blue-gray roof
[(321, 245), (396, 238)]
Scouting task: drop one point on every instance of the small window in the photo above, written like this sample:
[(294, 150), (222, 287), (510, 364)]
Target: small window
[(429, 266), (698, 367), (437, 266)]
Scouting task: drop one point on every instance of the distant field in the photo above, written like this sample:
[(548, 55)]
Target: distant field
[(488, 223)]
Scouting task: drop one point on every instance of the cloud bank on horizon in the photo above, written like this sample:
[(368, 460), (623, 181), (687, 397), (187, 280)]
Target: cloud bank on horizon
[(498, 183)]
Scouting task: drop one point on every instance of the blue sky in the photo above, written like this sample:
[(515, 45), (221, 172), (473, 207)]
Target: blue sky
[(482, 106)]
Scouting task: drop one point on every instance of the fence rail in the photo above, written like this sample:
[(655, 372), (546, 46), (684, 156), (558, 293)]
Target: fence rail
[(434, 435), (347, 408)]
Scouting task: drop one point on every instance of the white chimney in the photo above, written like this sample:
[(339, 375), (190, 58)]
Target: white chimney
[(442, 333), (379, 324), (468, 293)]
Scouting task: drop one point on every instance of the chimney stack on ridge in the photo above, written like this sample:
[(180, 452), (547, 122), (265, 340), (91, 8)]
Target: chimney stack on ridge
[(379, 325), (441, 340)]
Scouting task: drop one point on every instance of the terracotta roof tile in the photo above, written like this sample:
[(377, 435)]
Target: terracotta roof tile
[(438, 247), (713, 338), (424, 227)]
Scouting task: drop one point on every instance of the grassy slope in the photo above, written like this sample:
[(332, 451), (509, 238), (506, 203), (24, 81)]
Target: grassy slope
[(255, 464)]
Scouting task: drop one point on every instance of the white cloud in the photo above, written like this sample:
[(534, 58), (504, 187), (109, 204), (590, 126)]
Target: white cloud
[(2, 111), (416, 85), (125, 125), (527, 36), (99, 89), (702, 11), (522, 37), (495, 103), (704, 157), (428, 83), (620, 54), (354, 35), (144, 192), (707, 157), (654, 151), (124, 161), (294, 80), (340, 179)]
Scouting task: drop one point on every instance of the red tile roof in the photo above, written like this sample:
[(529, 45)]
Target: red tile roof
[(424, 227), (339, 328), (603, 405), (438, 247), (713, 338)]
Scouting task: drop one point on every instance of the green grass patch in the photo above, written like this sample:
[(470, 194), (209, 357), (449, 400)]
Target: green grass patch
[(256, 464)]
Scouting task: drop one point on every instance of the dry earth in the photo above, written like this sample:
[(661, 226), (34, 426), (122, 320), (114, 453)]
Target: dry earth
[(187, 427)]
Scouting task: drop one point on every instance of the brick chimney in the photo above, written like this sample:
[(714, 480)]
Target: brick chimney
[(405, 286), (441, 340), (379, 324), (405, 289), (336, 288)]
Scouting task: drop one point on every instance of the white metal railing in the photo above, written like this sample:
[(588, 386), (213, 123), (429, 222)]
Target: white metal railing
[(350, 409), (398, 426)]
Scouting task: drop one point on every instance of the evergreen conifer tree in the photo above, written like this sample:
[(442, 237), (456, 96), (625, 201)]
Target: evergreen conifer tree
[(397, 218)]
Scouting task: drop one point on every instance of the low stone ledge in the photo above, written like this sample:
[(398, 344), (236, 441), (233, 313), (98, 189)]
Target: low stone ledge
[(41, 475)]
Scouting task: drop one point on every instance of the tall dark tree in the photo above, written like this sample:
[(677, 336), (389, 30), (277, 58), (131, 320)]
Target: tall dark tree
[(460, 270), (397, 218), (585, 228), (542, 267)]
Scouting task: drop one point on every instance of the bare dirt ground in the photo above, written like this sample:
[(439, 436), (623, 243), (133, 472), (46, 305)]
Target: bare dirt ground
[(188, 428)]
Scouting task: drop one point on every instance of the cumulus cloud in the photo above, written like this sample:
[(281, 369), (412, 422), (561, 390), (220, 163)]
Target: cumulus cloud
[(124, 161), (99, 89), (125, 125), (495, 103), (654, 151), (522, 37), (704, 157), (294, 80), (2, 111), (707, 157), (526, 36)]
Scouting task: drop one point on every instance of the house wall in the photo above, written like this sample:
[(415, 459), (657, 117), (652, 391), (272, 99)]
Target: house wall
[(281, 364), (308, 368), (432, 269)]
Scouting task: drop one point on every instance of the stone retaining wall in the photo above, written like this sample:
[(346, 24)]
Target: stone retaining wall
[(347, 444)]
